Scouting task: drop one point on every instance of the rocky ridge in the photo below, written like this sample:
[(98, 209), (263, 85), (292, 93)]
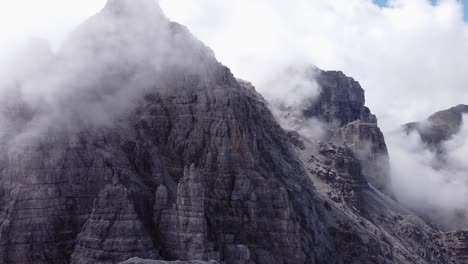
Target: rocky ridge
[(340, 109), (439, 127), (368, 226)]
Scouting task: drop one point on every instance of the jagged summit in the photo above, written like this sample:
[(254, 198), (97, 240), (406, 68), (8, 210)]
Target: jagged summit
[(340, 109)]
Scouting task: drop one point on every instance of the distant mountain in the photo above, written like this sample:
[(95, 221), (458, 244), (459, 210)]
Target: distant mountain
[(440, 126)]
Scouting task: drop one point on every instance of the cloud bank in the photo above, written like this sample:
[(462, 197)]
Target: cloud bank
[(434, 184)]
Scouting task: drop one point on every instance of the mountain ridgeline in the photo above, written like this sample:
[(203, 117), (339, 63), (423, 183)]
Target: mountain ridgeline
[(440, 126), (143, 148)]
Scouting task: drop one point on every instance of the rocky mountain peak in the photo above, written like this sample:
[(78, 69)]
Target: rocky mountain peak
[(340, 109)]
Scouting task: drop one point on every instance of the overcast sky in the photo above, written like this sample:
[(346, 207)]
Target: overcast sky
[(408, 54)]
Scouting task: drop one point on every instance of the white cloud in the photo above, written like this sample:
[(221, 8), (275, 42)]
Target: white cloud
[(421, 181), (49, 19)]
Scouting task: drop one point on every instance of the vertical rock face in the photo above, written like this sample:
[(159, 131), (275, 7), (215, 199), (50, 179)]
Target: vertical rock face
[(114, 231), (366, 225), (182, 225), (368, 142), (457, 244), (341, 100), (340, 108)]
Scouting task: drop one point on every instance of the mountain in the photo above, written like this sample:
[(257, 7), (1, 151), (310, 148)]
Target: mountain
[(152, 149), (340, 108), (436, 133), (367, 225), (440, 126), (142, 148)]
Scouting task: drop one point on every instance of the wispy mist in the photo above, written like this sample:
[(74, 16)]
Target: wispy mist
[(99, 74), (432, 183)]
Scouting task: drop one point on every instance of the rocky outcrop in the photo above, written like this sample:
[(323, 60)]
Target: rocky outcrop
[(367, 226), (341, 112), (183, 226), (341, 100), (114, 231), (457, 244), (368, 143), (439, 127)]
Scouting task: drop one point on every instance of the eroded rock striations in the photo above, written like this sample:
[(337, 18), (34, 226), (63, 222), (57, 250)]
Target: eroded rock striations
[(457, 243)]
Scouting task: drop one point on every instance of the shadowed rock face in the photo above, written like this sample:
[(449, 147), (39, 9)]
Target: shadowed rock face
[(457, 243), (341, 100), (366, 225), (440, 126), (340, 107)]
